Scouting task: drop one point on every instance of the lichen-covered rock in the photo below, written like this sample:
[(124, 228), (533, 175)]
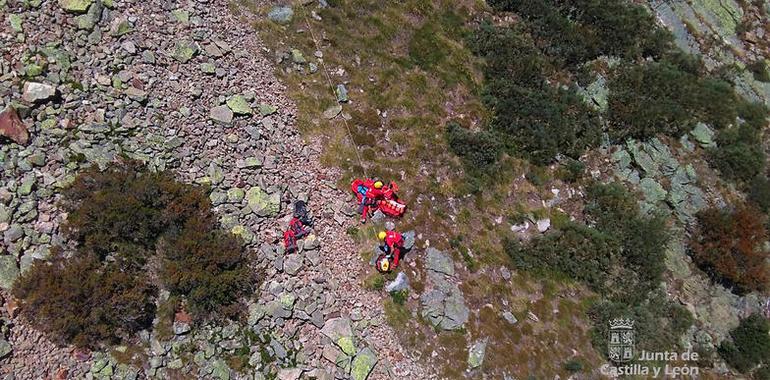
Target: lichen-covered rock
[(220, 370), (339, 330), (185, 50), (262, 203), (363, 364), (37, 92), (292, 264), (77, 6), (266, 109), (239, 105), (652, 190), (9, 271), (476, 353)]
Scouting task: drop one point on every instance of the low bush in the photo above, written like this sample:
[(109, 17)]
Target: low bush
[(573, 366), (729, 247), (127, 204), (572, 171), (579, 31), (552, 120), (739, 155), (123, 218), (479, 150), (579, 252), (206, 266), (80, 300), (621, 256), (659, 322), (662, 97), (761, 70), (749, 345), (759, 192)]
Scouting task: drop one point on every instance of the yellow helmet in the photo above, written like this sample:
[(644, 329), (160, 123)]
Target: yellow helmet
[(378, 185), (382, 235), (384, 265)]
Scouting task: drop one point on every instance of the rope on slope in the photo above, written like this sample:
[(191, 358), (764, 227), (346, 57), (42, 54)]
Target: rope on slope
[(334, 95)]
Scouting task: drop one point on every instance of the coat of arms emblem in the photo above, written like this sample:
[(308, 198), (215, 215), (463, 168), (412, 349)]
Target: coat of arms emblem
[(621, 340)]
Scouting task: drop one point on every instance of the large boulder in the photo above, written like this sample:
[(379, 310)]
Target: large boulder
[(281, 15), (652, 190), (444, 306), (439, 262), (400, 283), (340, 332), (37, 92), (455, 311), (703, 135), (12, 127)]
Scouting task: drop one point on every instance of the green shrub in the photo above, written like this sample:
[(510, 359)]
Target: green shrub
[(579, 252), (128, 205), (661, 97), (761, 70), (762, 373), (579, 31), (642, 239), (374, 281), (81, 301), (739, 155), (572, 171), (750, 344), (659, 322), (131, 225), (759, 192), (400, 297), (479, 150), (621, 257), (624, 251), (552, 120), (573, 366), (206, 266)]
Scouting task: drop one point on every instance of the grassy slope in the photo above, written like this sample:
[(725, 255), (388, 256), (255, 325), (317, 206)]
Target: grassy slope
[(407, 60)]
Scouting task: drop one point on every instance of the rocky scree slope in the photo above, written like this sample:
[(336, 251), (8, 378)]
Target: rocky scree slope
[(180, 85)]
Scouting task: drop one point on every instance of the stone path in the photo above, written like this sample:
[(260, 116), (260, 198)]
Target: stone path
[(182, 85)]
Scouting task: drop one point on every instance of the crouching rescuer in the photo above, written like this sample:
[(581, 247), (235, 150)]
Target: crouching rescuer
[(391, 248), (299, 227)]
